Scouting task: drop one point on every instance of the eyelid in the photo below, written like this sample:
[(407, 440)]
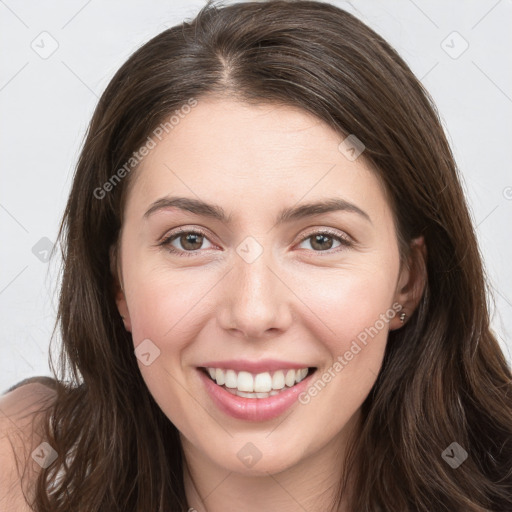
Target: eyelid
[(177, 231), (327, 231)]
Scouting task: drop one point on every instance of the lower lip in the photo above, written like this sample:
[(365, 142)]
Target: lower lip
[(253, 409)]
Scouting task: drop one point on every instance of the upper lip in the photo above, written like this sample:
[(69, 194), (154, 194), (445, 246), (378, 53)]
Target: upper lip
[(255, 367)]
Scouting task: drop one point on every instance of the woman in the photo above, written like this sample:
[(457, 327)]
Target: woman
[(272, 296)]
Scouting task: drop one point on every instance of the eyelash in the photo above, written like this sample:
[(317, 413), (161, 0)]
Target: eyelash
[(343, 239)]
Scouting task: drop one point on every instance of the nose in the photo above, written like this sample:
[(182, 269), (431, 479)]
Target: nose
[(256, 301)]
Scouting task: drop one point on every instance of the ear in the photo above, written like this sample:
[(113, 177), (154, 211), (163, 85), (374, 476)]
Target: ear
[(411, 282), (120, 298)]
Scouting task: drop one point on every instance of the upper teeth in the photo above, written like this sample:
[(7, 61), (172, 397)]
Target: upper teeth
[(260, 382)]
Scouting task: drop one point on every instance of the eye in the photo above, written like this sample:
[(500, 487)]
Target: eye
[(190, 240), (322, 241)]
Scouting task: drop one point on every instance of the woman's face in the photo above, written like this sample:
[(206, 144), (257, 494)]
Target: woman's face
[(258, 284)]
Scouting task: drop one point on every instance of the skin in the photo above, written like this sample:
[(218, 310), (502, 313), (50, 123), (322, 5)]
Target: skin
[(297, 301)]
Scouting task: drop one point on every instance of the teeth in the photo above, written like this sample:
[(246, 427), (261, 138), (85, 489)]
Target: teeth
[(231, 379), (219, 376), (260, 385), (289, 380), (244, 382), (302, 374), (263, 382), (278, 380)]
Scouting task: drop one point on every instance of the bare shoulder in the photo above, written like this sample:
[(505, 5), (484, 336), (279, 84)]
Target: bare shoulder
[(21, 410)]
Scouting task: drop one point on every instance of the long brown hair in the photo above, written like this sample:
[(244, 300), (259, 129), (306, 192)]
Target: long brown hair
[(444, 378)]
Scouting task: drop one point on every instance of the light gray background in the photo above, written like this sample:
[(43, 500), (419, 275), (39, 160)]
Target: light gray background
[(46, 103)]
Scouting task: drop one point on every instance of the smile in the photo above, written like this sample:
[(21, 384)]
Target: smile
[(260, 385), (254, 396)]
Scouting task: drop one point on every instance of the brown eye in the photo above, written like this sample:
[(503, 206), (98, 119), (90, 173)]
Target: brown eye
[(323, 241), (191, 241), (185, 242)]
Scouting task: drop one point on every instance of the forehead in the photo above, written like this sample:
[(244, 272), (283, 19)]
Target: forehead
[(225, 151)]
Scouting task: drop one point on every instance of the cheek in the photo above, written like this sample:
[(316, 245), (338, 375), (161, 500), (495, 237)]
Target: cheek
[(356, 306), (163, 304), (351, 301), (358, 310), (164, 308)]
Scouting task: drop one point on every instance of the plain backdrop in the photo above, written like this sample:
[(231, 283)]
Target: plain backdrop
[(58, 56)]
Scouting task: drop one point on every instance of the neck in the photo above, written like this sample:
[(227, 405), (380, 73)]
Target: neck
[(312, 484)]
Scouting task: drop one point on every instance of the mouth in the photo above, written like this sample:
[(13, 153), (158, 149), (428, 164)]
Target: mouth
[(257, 386)]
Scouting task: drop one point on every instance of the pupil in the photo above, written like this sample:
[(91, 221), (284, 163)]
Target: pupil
[(319, 238), (189, 239)]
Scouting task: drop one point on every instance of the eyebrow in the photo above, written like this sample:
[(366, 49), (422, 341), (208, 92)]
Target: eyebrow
[(286, 215)]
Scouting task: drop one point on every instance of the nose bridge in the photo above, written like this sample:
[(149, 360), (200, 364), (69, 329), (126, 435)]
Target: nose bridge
[(256, 299)]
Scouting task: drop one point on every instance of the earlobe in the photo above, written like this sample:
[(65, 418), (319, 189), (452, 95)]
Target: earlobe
[(120, 298), (411, 283)]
